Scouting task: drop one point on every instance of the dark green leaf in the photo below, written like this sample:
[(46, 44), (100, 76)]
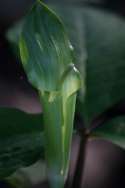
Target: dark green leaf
[(113, 131), (105, 67), (21, 140)]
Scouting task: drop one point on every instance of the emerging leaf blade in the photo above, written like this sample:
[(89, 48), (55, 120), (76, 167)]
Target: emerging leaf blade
[(44, 47)]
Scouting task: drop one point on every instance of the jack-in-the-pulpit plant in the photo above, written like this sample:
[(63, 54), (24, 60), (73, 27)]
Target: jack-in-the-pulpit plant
[(47, 58)]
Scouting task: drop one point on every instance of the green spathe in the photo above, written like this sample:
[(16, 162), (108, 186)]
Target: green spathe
[(59, 109)]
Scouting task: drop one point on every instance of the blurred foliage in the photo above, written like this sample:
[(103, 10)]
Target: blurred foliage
[(21, 140), (113, 131)]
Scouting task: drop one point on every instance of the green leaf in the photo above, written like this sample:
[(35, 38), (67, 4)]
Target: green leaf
[(21, 140), (114, 131), (44, 47), (105, 65)]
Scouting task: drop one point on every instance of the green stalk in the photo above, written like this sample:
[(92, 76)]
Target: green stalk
[(52, 110), (69, 110), (70, 86), (58, 113)]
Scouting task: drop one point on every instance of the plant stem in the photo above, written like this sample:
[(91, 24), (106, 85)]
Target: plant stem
[(53, 139), (78, 175)]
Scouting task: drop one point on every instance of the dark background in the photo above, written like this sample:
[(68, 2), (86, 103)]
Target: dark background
[(105, 163)]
